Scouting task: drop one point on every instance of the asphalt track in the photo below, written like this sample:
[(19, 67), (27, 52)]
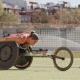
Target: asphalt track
[(42, 69)]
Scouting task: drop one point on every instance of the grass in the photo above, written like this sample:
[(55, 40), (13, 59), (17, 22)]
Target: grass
[(76, 54)]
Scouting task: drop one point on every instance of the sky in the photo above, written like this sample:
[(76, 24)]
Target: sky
[(73, 3)]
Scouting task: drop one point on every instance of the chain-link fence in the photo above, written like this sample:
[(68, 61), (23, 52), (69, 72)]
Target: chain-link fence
[(52, 38)]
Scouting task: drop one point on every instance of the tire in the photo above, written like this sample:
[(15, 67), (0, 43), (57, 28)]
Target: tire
[(24, 62), (69, 55), (8, 55)]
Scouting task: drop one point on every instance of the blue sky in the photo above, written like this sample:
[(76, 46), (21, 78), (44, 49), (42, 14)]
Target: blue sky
[(73, 3)]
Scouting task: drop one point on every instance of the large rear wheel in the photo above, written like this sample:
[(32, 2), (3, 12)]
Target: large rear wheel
[(8, 54)]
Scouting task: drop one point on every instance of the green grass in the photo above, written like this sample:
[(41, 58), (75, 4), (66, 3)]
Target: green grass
[(76, 54)]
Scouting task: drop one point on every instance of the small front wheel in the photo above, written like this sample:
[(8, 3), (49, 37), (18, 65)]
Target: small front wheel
[(63, 59)]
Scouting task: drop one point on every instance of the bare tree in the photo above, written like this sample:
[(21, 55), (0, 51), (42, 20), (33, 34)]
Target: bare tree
[(1, 8)]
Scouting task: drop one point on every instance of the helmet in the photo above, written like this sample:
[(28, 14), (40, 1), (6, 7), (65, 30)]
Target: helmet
[(34, 35)]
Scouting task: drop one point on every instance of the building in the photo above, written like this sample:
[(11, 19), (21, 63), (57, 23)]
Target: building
[(20, 6), (78, 5), (8, 7), (20, 3), (28, 2)]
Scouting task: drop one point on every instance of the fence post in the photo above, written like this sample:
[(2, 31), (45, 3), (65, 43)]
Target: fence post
[(63, 34)]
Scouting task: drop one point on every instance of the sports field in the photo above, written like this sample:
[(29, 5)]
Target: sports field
[(42, 69)]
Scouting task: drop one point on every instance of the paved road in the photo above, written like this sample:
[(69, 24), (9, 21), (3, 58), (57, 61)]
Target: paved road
[(42, 69)]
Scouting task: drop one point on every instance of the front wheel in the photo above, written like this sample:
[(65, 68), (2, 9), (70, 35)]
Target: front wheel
[(63, 59)]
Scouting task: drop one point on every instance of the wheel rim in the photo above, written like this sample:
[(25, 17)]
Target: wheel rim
[(24, 62), (5, 53), (65, 64)]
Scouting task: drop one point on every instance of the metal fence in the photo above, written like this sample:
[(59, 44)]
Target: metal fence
[(52, 38)]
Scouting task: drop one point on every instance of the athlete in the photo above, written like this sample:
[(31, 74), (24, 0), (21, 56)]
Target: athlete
[(24, 38)]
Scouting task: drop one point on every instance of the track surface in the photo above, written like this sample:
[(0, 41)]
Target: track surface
[(42, 69)]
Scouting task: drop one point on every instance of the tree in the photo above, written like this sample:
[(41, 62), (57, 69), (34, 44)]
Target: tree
[(8, 17), (71, 16), (39, 16), (1, 8)]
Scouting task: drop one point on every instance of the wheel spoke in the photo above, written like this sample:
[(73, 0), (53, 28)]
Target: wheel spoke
[(63, 59)]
